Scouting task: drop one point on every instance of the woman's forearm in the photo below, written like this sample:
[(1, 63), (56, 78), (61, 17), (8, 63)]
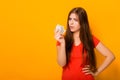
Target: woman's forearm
[(61, 55), (105, 64), (109, 57)]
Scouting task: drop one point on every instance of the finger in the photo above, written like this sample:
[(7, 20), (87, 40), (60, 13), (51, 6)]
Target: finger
[(57, 37), (61, 37), (57, 33), (86, 71), (85, 68), (91, 73), (56, 30), (87, 65)]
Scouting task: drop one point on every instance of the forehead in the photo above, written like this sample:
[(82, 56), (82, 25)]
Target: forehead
[(73, 15)]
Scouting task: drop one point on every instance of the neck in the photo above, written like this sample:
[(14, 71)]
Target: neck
[(76, 35), (76, 38)]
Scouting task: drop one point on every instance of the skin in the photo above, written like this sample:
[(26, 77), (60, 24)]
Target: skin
[(75, 27)]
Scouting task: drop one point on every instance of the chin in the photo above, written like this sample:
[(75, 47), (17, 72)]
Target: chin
[(72, 30)]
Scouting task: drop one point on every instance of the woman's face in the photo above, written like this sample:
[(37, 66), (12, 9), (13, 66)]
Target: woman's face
[(74, 22)]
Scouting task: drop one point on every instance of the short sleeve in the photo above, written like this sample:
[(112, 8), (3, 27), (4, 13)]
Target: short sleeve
[(57, 43), (96, 41)]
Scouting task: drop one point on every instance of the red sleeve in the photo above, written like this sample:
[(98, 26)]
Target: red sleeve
[(96, 41), (58, 43)]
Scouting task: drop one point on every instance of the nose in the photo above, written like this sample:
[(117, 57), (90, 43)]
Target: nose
[(71, 22)]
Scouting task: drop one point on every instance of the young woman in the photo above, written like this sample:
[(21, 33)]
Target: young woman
[(75, 50)]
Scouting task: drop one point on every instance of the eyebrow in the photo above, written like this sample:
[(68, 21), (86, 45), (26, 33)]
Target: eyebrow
[(73, 18)]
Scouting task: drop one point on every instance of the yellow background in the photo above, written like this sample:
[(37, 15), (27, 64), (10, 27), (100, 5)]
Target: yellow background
[(27, 45)]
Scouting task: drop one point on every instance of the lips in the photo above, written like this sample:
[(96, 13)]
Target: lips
[(71, 27)]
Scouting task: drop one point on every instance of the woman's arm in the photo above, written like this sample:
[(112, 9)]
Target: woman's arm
[(61, 53), (108, 60)]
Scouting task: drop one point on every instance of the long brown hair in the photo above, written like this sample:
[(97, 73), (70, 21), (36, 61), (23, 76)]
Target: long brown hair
[(85, 37)]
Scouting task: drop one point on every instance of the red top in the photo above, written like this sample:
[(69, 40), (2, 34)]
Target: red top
[(73, 71)]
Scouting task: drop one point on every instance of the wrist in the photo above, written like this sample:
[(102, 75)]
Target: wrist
[(62, 44), (96, 73)]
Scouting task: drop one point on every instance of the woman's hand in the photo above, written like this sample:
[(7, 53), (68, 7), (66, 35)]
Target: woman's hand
[(87, 70), (59, 36), (61, 53)]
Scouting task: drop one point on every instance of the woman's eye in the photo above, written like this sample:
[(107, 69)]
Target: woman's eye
[(76, 19), (69, 18)]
